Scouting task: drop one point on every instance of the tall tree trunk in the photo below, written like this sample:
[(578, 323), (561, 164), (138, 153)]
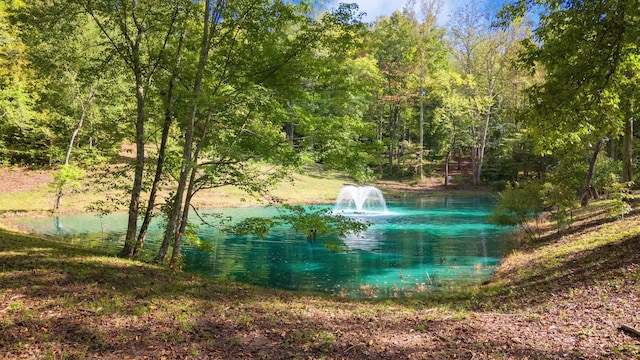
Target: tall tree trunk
[(380, 139), (474, 162), (421, 125), (586, 192), (479, 161), (452, 145), (85, 107), (178, 200), (402, 145), (187, 154), (168, 120), (151, 203), (474, 150), (184, 220), (612, 148), (130, 23), (166, 127), (136, 190), (392, 119), (627, 155), (175, 253)]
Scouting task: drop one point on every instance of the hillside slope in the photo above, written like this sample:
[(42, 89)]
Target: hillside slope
[(563, 296)]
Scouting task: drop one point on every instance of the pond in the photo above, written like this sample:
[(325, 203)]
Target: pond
[(419, 245)]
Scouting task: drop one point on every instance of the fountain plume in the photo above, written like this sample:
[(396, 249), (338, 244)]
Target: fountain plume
[(360, 200)]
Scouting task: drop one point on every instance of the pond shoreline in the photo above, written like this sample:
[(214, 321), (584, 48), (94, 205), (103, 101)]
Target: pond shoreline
[(421, 243), (564, 296), (27, 193), (560, 298)]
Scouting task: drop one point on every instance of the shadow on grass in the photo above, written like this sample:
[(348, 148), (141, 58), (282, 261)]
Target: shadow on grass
[(40, 266), (59, 301), (583, 223), (605, 264)]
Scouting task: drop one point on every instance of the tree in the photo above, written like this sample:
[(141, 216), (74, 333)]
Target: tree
[(396, 53), (213, 81), (431, 57), (138, 33), (19, 127), (238, 116), (69, 63), (518, 205), (212, 16), (67, 177), (628, 83), (583, 47), (453, 114), (483, 56), (331, 124)]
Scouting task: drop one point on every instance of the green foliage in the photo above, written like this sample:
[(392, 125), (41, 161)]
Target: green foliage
[(280, 87), (562, 184), (69, 77), (316, 224), (583, 54), (619, 193), (23, 138), (561, 199), (606, 172), (16, 99), (327, 122), (68, 177), (253, 226), (518, 205), (323, 221), (193, 240)]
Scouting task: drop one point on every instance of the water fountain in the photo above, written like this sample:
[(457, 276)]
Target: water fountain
[(360, 200)]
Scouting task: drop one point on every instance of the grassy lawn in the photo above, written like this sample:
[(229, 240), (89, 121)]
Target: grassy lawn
[(29, 191)]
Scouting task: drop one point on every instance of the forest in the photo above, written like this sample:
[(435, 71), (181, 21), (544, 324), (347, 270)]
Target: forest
[(538, 99)]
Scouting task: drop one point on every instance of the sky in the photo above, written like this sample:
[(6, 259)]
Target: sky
[(375, 8)]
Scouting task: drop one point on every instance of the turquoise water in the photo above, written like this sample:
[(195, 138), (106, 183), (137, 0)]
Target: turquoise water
[(420, 245)]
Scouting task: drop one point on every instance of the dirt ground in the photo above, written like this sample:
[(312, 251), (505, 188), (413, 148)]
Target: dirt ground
[(22, 179)]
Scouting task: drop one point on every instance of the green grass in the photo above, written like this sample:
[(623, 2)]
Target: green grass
[(597, 248), (40, 199), (312, 185)]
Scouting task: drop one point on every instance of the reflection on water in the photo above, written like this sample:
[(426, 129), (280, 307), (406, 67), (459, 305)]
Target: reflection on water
[(421, 245)]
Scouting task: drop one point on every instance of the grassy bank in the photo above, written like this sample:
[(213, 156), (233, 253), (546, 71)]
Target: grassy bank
[(29, 192), (562, 296)]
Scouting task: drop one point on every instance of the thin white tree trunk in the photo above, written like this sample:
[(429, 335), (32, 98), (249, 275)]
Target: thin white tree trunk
[(481, 150), (85, 107)]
